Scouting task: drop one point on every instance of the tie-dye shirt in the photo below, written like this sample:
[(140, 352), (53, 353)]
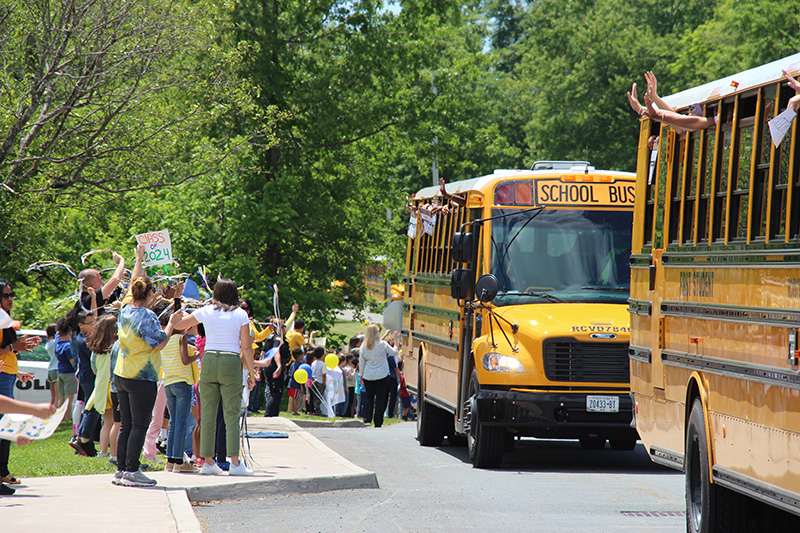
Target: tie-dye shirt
[(139, 332)]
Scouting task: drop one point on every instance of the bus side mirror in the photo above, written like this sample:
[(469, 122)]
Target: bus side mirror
[(461, 247), (486, 288), (461, 283)]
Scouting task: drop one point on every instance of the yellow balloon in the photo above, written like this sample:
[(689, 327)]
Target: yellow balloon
[(300, 376), (331, 360)]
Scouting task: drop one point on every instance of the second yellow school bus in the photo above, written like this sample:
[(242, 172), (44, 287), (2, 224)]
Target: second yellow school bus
[(715, 302), (547, 355)]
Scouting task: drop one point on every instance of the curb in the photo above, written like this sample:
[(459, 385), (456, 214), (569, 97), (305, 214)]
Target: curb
[(183, 514), (310, 423), (261, 488)]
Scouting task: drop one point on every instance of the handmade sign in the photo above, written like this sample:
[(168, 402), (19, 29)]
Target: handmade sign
[(780, 125), (14, 426), (157, 247), (428, 223), (412, 226)]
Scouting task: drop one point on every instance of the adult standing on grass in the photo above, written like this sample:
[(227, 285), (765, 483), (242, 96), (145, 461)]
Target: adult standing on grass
[(10, 346), (375, 372), (136, 373), (228, 349)]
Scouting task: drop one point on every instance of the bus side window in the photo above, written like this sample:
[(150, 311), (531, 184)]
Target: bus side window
[(665, 145), (655, 132), (706, 175), (676, 188), (693, 158), (741, 155), (722, 174), (762, 159), (780, 175)]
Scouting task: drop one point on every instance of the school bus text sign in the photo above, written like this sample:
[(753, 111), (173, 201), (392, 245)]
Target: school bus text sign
[(584, 194)]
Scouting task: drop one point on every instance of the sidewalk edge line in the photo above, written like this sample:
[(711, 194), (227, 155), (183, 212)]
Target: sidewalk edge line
[(183, 514)]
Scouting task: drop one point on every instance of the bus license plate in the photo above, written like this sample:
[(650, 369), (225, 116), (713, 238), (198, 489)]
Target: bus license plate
[(602, 404)]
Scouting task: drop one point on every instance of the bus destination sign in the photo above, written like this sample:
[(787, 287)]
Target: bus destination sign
[(585, 193)]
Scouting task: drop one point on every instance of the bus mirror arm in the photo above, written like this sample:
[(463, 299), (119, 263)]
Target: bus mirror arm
[(495, 317)]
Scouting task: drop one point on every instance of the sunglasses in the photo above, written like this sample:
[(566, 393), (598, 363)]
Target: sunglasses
[(10, 295)]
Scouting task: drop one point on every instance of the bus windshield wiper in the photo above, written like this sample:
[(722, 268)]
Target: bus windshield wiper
[(601, 288), (537, 294)]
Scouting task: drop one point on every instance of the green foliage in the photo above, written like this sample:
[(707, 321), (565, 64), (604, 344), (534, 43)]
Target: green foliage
[(741, 35), (277, 140)]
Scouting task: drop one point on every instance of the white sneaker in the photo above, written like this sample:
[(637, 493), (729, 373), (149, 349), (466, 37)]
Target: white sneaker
[(210, 469), (239, 470)]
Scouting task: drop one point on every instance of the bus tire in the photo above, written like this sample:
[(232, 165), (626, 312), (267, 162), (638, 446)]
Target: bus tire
[(709, 507), (486, 444), (624, 445), (430, 429)]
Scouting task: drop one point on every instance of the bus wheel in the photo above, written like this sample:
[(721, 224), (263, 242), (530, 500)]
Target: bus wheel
[(593, 443), (709, 507), (430, 430), (486, 444), (622, 444)]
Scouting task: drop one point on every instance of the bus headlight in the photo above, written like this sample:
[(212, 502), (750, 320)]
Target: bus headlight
[(495, 362)]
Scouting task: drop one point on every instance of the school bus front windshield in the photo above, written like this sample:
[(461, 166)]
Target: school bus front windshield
[(561, 255)]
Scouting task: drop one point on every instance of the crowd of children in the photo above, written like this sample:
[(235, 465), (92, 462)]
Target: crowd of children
[(129, 364)]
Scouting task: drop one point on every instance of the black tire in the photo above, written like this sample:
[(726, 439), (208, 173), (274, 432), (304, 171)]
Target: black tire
[(486, 444), (593, 443), (624, 445), (709, 507), (430, 427)]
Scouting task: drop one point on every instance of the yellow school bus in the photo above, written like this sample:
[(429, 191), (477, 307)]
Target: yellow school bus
[(515, 310), (715, 302), (378, 287)]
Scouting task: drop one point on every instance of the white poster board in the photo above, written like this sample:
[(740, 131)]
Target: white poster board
[(428, 223), (13, 426), (157, 247), (412, 227)]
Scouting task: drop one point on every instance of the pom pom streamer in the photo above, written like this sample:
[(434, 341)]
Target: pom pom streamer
[(87, 254), (47, 266)]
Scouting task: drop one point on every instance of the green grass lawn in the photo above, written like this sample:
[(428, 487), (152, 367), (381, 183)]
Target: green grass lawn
[(348, 327), (53, 456)]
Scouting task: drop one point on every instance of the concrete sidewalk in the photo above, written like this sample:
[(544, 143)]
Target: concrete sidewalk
[(298, 464)]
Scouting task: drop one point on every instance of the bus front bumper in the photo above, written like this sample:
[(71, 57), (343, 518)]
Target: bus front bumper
[(557, 415)]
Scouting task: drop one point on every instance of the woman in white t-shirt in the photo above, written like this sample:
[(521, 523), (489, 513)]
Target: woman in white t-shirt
[(228, 349), (375, 372)]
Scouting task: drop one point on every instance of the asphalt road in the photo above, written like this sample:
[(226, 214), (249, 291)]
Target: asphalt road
[(542, 486)]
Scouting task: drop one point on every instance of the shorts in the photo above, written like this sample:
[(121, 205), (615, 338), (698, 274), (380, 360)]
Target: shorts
[(52, 376), (115, 407), (67, 385), (406, 401), (293, 393)]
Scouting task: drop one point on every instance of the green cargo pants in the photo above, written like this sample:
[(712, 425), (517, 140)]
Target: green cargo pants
[(220, 377)]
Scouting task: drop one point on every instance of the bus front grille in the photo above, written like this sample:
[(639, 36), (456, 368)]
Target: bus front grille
[(600, 362)]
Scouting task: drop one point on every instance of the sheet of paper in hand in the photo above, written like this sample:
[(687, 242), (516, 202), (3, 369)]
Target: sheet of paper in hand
[(781, 124), (13, 426)]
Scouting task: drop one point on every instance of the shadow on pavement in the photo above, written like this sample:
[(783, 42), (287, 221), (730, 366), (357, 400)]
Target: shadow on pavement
[(540, 455)]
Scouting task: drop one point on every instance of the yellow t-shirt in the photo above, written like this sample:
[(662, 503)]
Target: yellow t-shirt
[(10, 362), (172, 368), (9, 358), (295, 339), (259, 336)]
